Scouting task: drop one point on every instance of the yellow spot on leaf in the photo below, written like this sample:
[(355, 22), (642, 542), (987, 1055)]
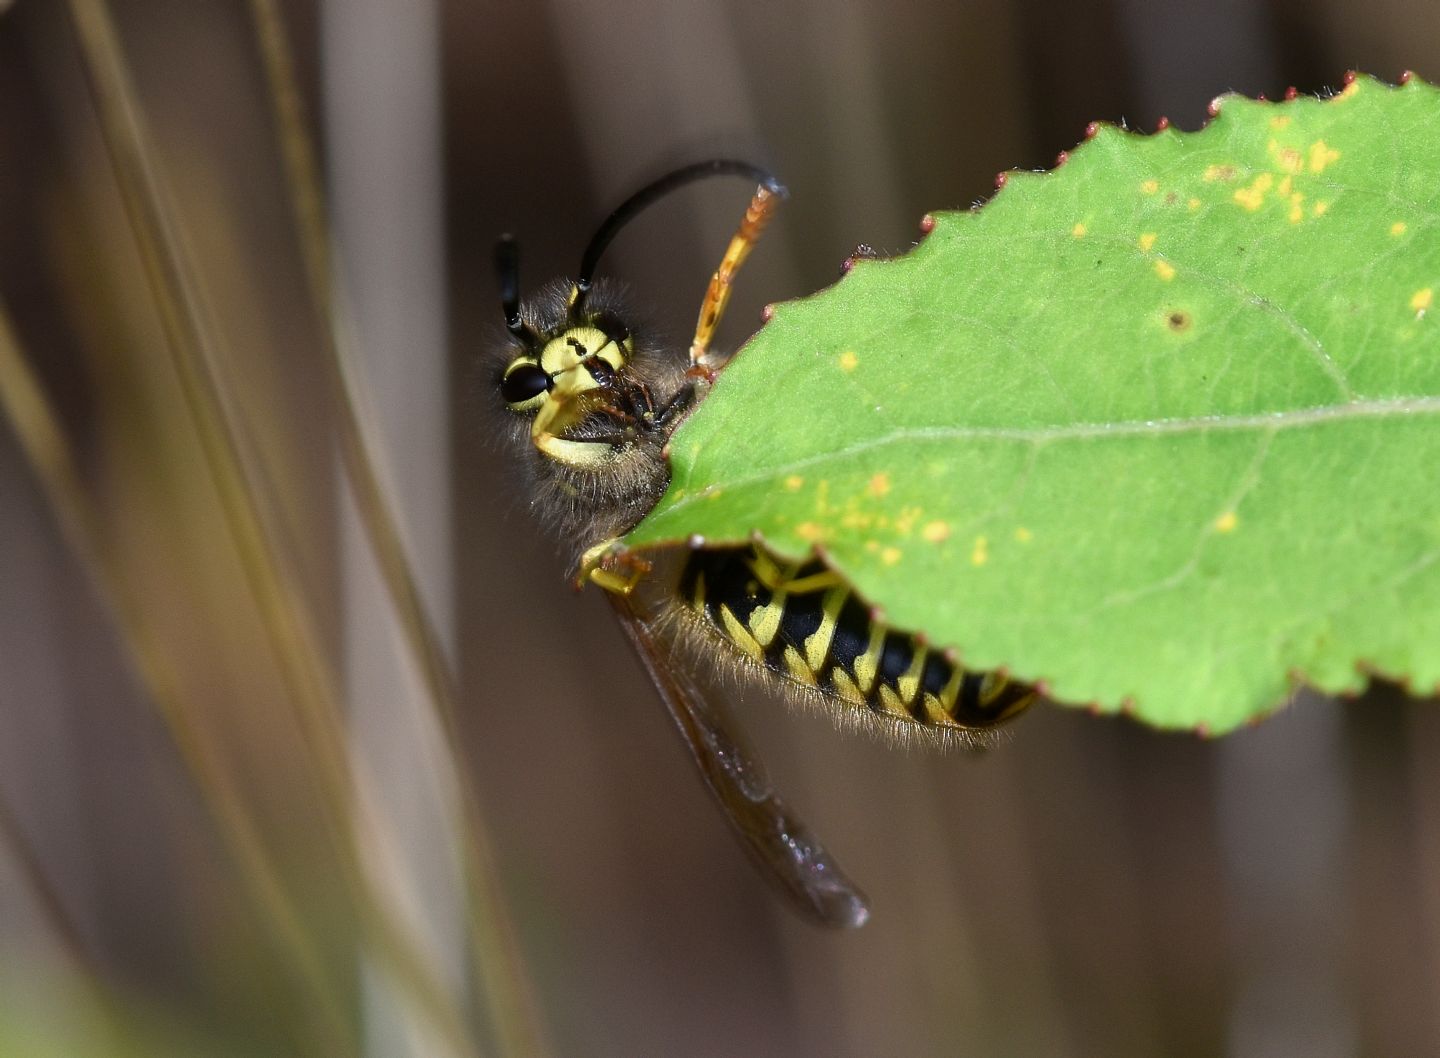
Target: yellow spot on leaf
[(1024, 535), (1297, 211), (1322, 156), (1420, 301), (1150, 186), (872, 546), (1398, 228), (809, 531), (714, 493), (1253, 197), (1147, 240), (1319, 208), (935, 531), (1283, 186), (879, 485), (794, 483), (1226, 522), (1287, 158), (1279, 121), (1165, 270), (848, 361), (890, 556), (1078, 231), (1225, 173), (980, 553), (1193, 204)]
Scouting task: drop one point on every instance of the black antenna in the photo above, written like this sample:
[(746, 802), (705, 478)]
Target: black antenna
[(651, 193), (507, 264)]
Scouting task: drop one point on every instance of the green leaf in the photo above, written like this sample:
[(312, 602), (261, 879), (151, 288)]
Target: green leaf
[(1160, 428)]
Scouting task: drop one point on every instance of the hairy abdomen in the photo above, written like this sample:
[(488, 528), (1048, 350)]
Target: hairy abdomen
[(805, 625)]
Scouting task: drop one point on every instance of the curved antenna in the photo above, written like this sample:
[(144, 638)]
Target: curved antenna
[(650, 194), (507, 264)]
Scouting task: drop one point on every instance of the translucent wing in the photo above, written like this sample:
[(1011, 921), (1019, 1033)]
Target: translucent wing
[(780, 844)]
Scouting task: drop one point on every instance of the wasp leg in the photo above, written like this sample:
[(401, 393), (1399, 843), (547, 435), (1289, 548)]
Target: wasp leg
[(610, 565), (762, 207)]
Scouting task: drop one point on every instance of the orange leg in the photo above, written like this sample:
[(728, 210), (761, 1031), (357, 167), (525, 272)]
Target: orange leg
[(762, 207)]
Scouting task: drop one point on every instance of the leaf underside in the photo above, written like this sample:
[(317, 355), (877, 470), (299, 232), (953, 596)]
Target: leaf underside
[(1160, 428)]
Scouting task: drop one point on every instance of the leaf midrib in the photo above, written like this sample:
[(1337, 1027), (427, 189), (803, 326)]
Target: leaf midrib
[(1273, 421)]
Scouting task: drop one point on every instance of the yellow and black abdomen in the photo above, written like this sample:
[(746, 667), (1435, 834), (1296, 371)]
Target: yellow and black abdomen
[(804, 624)]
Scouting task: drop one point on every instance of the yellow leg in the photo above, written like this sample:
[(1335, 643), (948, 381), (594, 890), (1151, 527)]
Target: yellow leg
[(610, 566), (762, 207)]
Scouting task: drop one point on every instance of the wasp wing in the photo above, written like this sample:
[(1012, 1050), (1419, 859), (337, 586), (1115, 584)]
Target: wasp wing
[(780, 844)]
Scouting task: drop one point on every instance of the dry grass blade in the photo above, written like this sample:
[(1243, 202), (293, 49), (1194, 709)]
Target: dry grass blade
[(44, 444), (194, 348), (495, 951)]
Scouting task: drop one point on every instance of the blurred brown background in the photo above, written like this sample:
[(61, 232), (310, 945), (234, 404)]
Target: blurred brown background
[(1088, 888)]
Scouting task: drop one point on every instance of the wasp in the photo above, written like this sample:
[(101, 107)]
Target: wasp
[(590, 401)]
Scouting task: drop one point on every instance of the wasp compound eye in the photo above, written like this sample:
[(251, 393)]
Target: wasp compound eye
[(523, 383)]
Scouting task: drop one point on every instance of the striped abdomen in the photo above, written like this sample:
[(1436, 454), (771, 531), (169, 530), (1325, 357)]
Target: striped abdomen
[(806, 625)]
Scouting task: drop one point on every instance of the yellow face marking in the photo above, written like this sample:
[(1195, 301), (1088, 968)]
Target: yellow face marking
[(848, 361), (740, 635), (1321, 156), (1147, 240), (565, 357), (936, 531), (1165, 270), (575, 453), (1227, 522), (1398, 228), (1078, 231), (980, 553), (817, 644)]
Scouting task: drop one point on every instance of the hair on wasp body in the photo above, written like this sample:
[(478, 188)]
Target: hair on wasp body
[(591, 401)]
